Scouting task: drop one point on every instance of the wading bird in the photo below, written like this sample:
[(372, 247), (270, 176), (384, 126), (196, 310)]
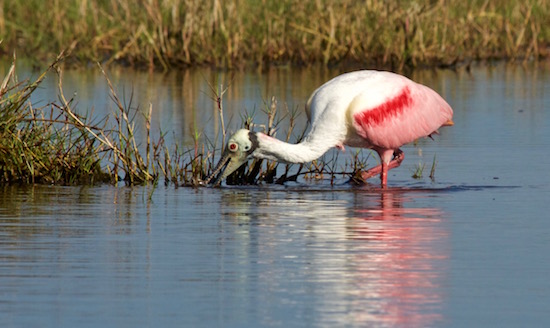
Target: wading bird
[(369, 109)]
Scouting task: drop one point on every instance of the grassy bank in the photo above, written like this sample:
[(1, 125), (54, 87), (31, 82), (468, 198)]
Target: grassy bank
[(233, 33)]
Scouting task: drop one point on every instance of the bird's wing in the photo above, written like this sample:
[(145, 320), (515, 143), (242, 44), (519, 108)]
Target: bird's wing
[(389, 116)]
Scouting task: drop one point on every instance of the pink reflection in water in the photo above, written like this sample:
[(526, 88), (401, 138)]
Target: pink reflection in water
[(404, 265)]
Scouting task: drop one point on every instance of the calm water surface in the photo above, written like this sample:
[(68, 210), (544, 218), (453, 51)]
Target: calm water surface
[(468, 249)]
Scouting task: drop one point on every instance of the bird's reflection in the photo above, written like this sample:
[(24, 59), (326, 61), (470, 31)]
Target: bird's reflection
[(407, 272), (378, 257)]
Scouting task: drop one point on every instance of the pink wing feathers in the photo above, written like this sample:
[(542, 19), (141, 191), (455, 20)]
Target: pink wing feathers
[(411, 112)]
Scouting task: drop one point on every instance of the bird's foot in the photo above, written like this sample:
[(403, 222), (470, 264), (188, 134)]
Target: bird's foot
[(398, 157)]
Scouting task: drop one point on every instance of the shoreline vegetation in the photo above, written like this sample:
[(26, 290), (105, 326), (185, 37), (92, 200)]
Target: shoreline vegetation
[(165, 34)]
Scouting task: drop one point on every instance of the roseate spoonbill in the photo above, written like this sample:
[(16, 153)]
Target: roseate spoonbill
[(369, 109)]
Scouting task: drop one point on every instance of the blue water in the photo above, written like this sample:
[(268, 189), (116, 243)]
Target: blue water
[(468, 249)]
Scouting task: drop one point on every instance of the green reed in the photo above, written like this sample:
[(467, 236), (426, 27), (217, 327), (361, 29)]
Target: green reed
[(48, 144), (54, 144), (235, 33)]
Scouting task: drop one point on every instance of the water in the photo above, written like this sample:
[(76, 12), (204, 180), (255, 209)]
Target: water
[(468, 249)]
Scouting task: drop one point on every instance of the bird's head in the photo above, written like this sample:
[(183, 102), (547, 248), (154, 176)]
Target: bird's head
[(239, 149)]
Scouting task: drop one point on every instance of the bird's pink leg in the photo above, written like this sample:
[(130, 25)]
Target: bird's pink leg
[(398, 157), (384, 175)]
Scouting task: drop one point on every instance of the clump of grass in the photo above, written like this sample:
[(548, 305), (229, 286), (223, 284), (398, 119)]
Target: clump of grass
[(233, 33), (419, 170), (44, 145), (54, 144)]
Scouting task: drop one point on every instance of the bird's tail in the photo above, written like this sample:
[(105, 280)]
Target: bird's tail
[(449, 123)]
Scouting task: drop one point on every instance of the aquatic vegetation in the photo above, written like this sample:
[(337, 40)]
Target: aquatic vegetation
[(48, 144), (418, 170), (235, 33), (54, 144), (432, 169)]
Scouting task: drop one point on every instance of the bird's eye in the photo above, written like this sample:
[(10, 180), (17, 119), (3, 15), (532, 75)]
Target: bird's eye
[(233, 147), (246, 148)]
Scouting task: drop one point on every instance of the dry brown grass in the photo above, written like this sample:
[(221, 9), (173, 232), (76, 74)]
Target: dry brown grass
[(233, 33)]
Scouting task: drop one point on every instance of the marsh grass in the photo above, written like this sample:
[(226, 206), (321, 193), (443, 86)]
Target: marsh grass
[(432, 169), (44, 145), (234, 33), (54, 144), (418, 171)]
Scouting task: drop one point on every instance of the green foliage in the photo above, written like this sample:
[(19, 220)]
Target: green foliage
[(55, 145), (235, 33), (43, 145)]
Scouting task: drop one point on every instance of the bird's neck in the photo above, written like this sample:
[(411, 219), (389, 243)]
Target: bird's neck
[(280, 151)]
